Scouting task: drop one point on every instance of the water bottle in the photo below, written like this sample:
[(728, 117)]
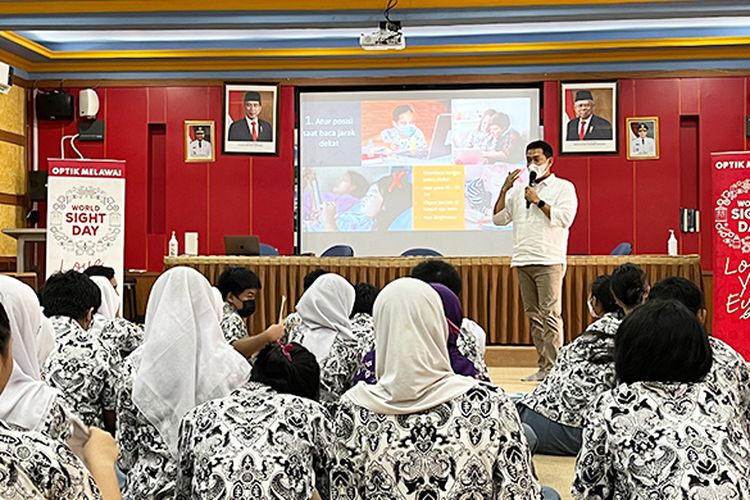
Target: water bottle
[(174, 247), (672, 244)]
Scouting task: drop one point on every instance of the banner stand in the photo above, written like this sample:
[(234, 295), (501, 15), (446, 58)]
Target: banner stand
[(85, 215), (731, 249)]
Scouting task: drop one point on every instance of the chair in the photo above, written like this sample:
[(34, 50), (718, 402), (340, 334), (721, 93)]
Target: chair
[(623, 248), (339, 251), (421, 252), (266, 249)]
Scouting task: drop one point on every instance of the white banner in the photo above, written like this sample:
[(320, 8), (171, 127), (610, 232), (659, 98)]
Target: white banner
[(86, 215)]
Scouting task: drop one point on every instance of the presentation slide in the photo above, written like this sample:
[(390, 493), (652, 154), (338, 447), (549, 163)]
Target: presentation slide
[(386, 171)]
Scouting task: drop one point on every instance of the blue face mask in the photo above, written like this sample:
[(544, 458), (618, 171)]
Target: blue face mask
[(407, 130)]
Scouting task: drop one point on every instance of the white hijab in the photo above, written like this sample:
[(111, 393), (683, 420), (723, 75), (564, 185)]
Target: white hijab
[(217, 298), (185, 360), (26, 400), (412, 365), (110, 299), (324, 309), (45, 339)]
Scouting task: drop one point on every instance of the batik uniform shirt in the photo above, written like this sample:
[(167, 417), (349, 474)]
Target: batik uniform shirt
[(363, 326), (33, 465), (144, 456), (730, 378), (468, 347), (584, 369), (232, 324), (121, 336), (58, 424), (254, 443), (663, 441), (470, 447), (338, 369), (83, 369)]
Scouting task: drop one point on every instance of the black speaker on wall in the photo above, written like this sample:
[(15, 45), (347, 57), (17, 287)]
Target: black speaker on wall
[(38, 185), (56, 105)]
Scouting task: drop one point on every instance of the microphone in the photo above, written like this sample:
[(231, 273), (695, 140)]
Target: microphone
[(532, 178)]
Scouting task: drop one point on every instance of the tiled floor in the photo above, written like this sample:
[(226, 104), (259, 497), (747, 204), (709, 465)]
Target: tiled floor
[(556, 472)]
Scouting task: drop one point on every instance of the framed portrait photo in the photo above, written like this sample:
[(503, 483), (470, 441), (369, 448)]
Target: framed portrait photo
[(250, 118), (200, 141), (643, 137), (588, 117)]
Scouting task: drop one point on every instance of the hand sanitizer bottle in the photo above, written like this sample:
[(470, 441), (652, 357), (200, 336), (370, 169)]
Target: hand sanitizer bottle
[(672, 243), (174, 247)]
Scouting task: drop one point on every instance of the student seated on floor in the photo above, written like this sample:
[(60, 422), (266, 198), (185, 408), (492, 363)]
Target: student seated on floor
[(459, 363), (184, 361), (29, 402), (472, 338), (556, 409), (119, 335), (80, 365), (33, 464), (662, 433), (729, 374), (322, 325), (239, 287), (422, 431), (363, 325), (268, 438), (364, 298)]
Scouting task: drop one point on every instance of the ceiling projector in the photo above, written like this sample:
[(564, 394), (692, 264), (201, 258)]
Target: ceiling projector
[(387, 37)]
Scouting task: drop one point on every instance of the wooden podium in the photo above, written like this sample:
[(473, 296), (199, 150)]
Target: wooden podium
[(23, 236)]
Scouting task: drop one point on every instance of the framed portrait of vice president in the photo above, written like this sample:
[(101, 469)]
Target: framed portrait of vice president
[(251, 114), (588, 117)]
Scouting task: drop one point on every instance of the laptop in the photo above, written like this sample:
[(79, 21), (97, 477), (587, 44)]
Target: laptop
[(241, 245), (440, 143)]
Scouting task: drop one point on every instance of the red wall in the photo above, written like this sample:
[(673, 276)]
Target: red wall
[(620, 200), (639, 201), (237, 194)]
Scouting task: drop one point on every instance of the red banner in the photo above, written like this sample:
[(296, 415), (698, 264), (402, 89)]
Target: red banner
[(731, 195)]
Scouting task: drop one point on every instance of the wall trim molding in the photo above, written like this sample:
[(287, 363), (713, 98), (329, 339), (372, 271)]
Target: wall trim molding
[(13, 199), (12, 138)]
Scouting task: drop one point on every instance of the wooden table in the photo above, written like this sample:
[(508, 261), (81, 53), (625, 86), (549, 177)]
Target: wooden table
[(490, 294), (23, 236)]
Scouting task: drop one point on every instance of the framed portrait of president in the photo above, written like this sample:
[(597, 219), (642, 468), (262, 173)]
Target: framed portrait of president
[(588, 117), (251, 114)]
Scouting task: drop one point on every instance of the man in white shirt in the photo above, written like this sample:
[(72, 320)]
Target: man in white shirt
[(200, 147), (542, 214)]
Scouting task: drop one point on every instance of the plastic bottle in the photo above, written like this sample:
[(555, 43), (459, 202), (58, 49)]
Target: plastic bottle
[(174, 247), (672, 243)]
